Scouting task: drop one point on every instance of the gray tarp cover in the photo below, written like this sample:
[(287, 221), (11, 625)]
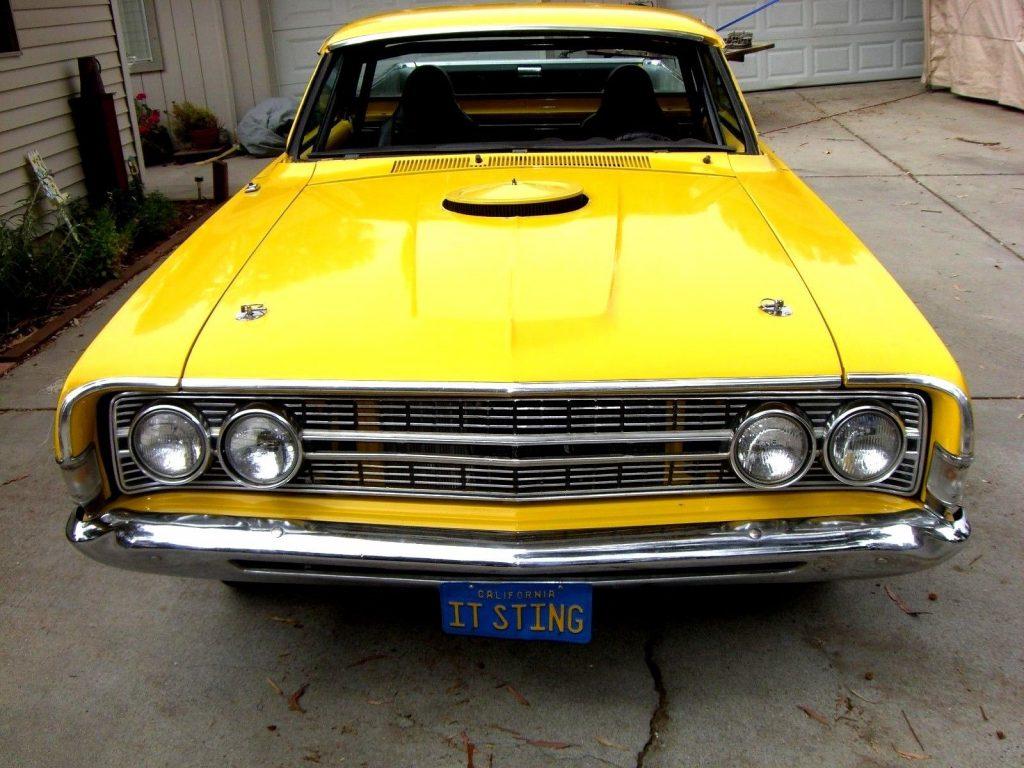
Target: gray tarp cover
[(265, 127)]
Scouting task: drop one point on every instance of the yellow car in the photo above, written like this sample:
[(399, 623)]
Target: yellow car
[(526, 307)]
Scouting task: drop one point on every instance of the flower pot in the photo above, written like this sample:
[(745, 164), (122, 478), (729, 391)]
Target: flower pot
[(204, 138)]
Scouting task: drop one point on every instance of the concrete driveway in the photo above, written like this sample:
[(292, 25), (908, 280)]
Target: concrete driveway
[(102, 667)]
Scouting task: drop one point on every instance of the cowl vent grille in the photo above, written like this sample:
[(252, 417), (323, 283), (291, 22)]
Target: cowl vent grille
[(567, 160)]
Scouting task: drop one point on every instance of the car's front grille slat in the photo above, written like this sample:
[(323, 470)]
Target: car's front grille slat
[(518, 448)]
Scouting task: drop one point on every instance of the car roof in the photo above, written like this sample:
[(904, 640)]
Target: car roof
[(576, 16)]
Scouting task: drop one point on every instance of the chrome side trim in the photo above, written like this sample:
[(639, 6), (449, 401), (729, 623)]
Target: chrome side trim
[(928, 382), (496, 29), (67, 405), (251, 549)]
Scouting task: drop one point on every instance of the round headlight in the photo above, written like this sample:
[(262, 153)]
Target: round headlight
[(864, 444), (169, 443), (260, 448), (772, 447)]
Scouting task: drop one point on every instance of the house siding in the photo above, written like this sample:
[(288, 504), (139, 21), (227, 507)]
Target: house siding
[(35, 86), (215, 54)]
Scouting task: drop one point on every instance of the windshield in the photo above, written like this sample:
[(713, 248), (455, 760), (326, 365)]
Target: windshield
[(459, 94)]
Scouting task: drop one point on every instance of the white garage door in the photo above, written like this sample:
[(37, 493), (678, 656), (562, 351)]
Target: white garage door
[(817, 41)]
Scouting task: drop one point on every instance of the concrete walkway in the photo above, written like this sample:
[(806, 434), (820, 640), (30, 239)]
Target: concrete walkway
[(103, 667), (179, 182)]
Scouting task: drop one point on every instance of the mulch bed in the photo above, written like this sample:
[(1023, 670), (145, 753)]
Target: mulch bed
[(23, 340)]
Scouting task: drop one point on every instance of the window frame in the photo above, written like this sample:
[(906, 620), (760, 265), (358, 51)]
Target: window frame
[(156, 64), (372, 50), (9, 43)]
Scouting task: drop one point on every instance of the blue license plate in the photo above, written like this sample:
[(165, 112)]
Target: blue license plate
[(520, 611)]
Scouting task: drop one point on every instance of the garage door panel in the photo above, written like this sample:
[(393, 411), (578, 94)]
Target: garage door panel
[(817, 41), (295, 51)]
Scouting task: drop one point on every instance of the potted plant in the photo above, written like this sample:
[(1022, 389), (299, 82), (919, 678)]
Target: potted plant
[(156, 141), (195, 126)]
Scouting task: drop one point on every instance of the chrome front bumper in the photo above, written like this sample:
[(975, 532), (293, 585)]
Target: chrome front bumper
[(250, 549)]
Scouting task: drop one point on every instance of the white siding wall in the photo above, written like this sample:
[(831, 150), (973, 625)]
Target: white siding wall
[(35, 86), (215, 54)]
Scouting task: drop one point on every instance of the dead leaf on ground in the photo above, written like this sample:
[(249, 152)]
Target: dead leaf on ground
[(611, 744), (516, 694), (509, 731), (911, 755), (312, 757), (814, 715), (368, 659), (545, 744), (470, 749), (454, 686), (976, 141), (293, 700), (290, 622), (862, 697), (276, 687), (912, 731), (894, 596), (1000, 735), (984, 715)]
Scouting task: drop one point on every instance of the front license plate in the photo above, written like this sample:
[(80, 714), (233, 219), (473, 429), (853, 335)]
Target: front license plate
[(522, 611)]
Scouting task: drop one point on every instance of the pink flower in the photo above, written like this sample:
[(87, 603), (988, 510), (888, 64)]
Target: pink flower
[(140, 96)]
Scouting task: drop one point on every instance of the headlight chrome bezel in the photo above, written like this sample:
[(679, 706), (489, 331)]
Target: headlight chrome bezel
[(189, 415), (274, 415), (843, 415), (785, 411)]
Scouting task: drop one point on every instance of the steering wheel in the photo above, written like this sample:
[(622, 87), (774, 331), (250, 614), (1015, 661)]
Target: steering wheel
[(641, 135)]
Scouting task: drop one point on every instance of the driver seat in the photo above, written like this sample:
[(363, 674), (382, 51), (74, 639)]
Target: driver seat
[(628, 105), (427, 113)]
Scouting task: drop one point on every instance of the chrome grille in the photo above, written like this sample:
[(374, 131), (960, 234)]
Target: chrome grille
[(518, 448)]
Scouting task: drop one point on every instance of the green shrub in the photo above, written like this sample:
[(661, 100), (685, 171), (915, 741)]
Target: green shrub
[(33, 267), (154, 218), (102, 245), (47, 254), (187, 117)]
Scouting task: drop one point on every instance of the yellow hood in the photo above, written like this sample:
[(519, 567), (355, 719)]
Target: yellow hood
[(659, 276)]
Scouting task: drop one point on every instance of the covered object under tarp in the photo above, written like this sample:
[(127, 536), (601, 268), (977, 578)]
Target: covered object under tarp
[(976, 48)]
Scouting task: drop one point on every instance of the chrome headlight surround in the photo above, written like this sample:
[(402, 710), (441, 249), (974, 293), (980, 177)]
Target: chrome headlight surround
[(843, 415), (776, 410), (189, 416), (273, 415)]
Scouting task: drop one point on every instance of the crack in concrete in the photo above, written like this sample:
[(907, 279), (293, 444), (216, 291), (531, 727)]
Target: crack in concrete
[(913, 177), (825, 116), (659, 716), (27, 410)]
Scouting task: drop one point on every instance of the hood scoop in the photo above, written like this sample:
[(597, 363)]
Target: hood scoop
[(517, 198)]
